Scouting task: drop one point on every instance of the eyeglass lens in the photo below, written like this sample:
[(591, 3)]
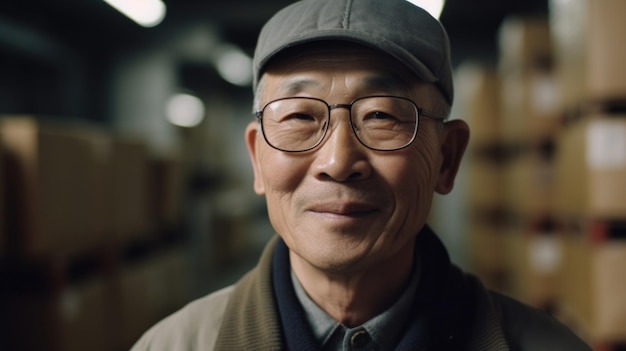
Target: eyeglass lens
[(299, 124)]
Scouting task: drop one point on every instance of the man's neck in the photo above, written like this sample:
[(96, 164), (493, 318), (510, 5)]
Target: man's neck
[(352, 298)]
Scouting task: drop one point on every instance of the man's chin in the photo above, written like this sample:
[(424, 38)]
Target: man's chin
[(338, 261)]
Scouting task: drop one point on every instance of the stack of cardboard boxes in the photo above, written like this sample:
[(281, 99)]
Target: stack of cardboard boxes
[(558, 236), (529, 111), (83, 244), (57, 177), (478, 96), (512, 111), (591, 164)]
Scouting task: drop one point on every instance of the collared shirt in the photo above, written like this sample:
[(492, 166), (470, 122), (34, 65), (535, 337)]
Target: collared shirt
[(379, 333)]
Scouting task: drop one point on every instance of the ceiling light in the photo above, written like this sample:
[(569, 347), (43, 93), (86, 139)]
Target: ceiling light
[(184, 110), (234, 65), (146, 13), (434, 7)]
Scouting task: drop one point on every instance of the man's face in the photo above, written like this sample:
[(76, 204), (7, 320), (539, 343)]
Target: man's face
[(342, 207)]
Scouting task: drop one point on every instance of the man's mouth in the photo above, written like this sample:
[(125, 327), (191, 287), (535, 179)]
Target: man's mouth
[(344, 209)]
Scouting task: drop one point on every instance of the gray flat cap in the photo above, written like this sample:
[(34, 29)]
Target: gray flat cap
[(397, 27)]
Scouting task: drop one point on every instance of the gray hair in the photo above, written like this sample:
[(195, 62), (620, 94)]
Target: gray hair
[(256, 102)]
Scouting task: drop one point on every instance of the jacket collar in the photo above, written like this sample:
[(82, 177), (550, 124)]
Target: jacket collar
[(444, 307)]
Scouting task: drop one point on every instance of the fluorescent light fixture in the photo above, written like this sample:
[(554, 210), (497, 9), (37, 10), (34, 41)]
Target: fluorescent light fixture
[(434, 7), (184, 110), (146, 13), (234, 65)]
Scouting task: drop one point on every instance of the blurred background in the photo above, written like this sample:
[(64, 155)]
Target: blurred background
[(126, 190)]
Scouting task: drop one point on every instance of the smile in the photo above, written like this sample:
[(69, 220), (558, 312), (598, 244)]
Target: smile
[(344, 210)]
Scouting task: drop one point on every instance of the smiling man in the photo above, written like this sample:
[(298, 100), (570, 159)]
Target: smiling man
[(350, 143)]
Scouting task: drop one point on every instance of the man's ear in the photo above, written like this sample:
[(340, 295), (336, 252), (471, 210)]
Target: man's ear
[(454, 142), (252, 136)]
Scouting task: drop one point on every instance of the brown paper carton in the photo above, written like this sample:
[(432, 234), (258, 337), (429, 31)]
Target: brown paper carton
[(589, 50), (539, 275), (478, 95), (167, 192), (529, 184), (130, 189), (55, 173), (594, 286), (486, 183), (488, 253), (591, 168), (530, 110), (524, 42), (149, 290)]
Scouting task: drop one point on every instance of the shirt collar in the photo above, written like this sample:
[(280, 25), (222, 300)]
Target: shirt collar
[(384, 329)]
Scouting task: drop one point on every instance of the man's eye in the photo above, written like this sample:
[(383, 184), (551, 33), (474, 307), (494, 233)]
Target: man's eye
[(380, 115), (302, 117), (299, 117)]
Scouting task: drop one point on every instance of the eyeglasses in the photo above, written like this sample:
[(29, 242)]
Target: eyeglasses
[(383, 123)]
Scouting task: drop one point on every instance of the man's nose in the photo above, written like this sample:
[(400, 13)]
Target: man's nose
[(341, 156)]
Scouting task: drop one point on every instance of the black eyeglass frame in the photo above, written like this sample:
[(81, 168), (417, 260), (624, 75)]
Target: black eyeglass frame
[(419, 113)]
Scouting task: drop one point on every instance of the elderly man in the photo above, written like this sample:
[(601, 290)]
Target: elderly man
[(349, 146)]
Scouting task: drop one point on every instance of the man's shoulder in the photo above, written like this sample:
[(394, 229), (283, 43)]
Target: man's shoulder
[(527, 328), (194, 326)]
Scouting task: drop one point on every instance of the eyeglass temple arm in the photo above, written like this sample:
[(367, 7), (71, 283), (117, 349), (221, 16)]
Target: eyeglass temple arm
[(429, 116)]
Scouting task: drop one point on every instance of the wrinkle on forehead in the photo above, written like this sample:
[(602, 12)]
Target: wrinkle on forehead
[(368, 85)]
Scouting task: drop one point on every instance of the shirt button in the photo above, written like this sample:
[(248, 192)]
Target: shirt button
[(360, 339)]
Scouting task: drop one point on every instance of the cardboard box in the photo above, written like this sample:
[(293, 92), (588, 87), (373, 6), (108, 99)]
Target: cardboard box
[(530, 105), (529, 184), (478, 96), (488, 253), (149, 290), (98, 186), (130, 178), (537, 268), (485, 183), (589, 52), (594, 286), (168, 192), (591, 168), (524, 42), (53, 171), (141, 289), (606, 49)]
